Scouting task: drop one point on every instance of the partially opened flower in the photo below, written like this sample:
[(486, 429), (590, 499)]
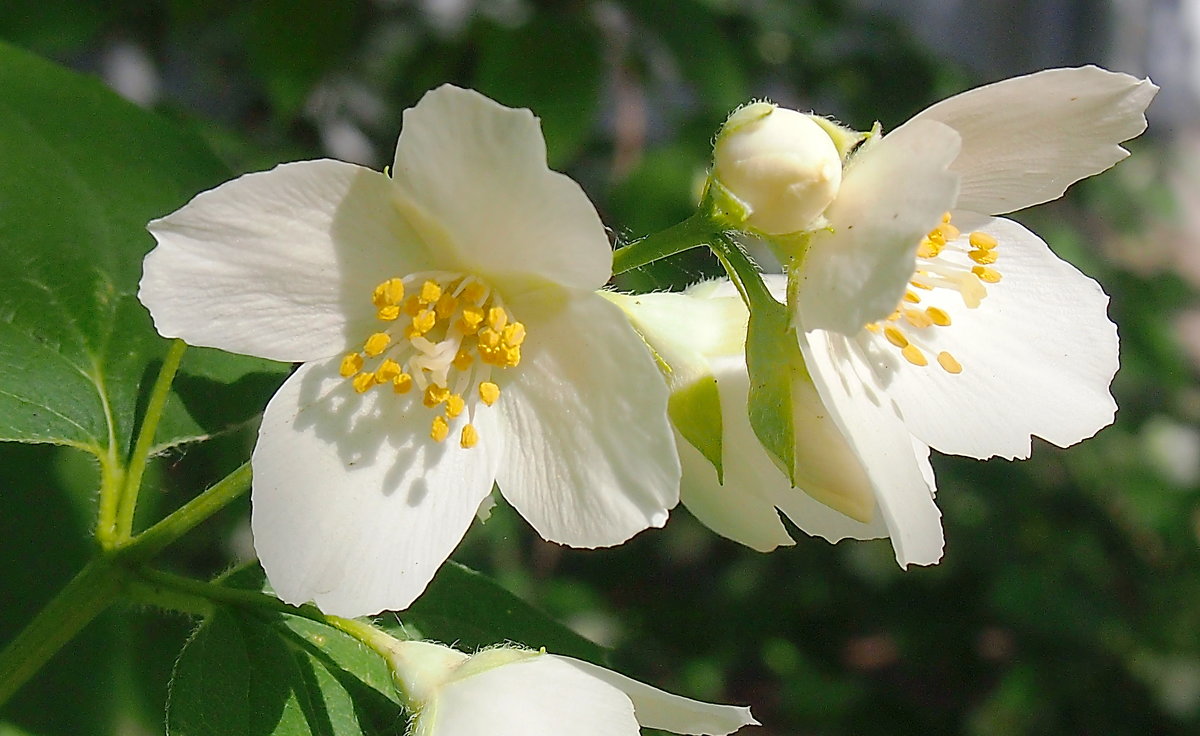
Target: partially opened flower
[(451, 338), (517, 692), (925, 321), (700, 334)]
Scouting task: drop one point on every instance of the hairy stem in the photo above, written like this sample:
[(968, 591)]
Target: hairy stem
[(697, 230), (91, 591)]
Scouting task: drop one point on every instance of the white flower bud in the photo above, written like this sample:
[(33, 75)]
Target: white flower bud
[(782, 166)]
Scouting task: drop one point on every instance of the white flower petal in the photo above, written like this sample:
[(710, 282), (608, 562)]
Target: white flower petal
[(539, 696), (591, 458), (1026, 139), (868, 420), (892, 194), (737, 510), (1038, 355), (662, 710), (476, 172), (354, 507), (279, 264)]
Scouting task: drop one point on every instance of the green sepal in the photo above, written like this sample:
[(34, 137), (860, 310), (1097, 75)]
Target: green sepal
[(695, 410), (772, 358)]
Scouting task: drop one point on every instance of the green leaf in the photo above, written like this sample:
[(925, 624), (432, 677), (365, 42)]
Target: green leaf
[(81, 172), (473, 611), (552, 65), (242, 675), (773, 357)]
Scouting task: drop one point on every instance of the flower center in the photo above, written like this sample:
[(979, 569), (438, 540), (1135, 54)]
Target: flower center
[(443, 335), (945, 260)]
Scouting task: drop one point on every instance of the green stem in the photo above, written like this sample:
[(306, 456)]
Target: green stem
[(96, 587), (145, 440), (699, 229), (112, 479), (186, 517), (743, 273)]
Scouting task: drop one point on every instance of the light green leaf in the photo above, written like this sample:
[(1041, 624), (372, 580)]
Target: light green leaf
[(81, 172), (241, 675)]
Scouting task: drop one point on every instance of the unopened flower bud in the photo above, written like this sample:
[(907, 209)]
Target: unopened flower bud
[(783, 167)]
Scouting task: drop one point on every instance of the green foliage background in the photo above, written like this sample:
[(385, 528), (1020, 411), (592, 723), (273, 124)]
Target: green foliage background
[(1069, 597)]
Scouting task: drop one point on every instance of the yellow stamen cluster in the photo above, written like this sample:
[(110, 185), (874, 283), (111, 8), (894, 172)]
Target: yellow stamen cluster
[(934, 274), (444, 334)]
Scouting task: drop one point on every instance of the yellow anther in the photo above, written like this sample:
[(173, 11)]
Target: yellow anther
[(388, 294), (469, 437), (488, 338), (402, 383), (874, 327), (440, 429), (948, 363), (911, 297), (462, 360), (388, 370), (471, 317), (514, 334), (921, 285), (948, 231), (363, 382), (474, 292), (512, 355), (895, 337), (423, 322), (435, 394), (455, 405), (445, 306), (936, 237), (914, 355), (430, 292), (387, 314), (497, 318), (972, 290), (946, 217), (895, 315), (928, 249), (938, 316), (376, 344), (489, 392), (990, 275), (982, 240), (917, 318), (412, 306), (351, 364), (983, 257)]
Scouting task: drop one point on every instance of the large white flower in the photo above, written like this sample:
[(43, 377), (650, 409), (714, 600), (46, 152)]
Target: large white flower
[(514, 692), (924, 321), (451, 338)]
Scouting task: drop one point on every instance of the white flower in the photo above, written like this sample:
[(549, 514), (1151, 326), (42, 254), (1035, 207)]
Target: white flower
[(976, 337), (700, 334), (514, 692), (985, 338), (451, 338)]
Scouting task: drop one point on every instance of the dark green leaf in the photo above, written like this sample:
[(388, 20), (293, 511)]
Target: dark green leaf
[(81, 172), (241, 675)]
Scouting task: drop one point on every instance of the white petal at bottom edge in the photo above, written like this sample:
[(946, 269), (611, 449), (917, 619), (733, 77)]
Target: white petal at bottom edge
[(354, 507), (1037, 355), (868, 419), (540, 696), (662, 710), (590, 455)]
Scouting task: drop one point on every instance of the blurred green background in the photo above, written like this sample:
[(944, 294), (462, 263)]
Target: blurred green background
[(1069, 597)]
